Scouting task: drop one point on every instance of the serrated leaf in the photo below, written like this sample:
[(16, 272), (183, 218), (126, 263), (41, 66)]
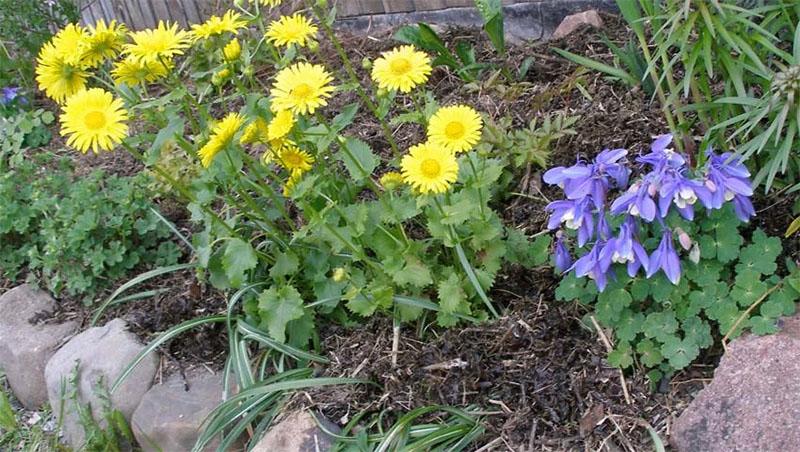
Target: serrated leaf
[(660, 325), (763, 325), (621, 356), (277, 307), (239, 258), (570, 288), (358, 158), (629, 325), (698, 331), (451, 294), (679, 352), (414, 273), (285, 264), (649, 353)]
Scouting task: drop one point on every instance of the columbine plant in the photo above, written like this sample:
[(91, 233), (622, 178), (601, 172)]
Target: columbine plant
[(662, 298)]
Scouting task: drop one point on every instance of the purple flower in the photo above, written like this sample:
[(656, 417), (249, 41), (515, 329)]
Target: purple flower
[(729, 180), (576, 215), (665, 258), (562, 256), (581, 180), (626, 249), (8, 94), (595, 265), (637, 201), (684, 193), (661, 156)]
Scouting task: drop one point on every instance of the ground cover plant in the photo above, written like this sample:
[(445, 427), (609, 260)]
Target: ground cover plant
[(325, 194)]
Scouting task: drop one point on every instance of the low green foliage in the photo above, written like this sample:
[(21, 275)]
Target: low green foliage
[(733, 287), (26, 129), (77, 234)]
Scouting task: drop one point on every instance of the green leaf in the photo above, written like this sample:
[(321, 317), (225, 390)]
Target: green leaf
[(610, 305), (763, 325), (358, 158), (748, 287), (698, 331), (285, 264), (8, 421), (570, 288), (621, 356), (660, 325), (760, 255), (598, 66), (239, 258), (414, 273), (452, 297), (277, 307), (629, 325), (495, 30), (680, 353), (649, 353)]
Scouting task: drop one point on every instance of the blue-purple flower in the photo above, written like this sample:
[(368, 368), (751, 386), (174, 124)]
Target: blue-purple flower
[(665, 258), (626, 249), (729, 180), (581, 180), (563, 259), (576, 215), (662, 156), (595, 265), (683, 193), (637, 201), (8, 94)]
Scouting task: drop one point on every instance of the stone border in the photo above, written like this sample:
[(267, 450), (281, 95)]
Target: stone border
[(523, 21)]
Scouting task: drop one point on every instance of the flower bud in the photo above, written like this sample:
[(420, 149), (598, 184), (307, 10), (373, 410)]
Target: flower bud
[(322, 3), (313, 45), (382, 92), (248, 71), (684, 239), (694, 254), (339, 274), (366, 63)]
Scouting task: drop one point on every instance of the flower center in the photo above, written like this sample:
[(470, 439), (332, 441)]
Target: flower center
[(95, 120), (293, 159), (400, 66), (430, 168), (454, 130), (302, 91)]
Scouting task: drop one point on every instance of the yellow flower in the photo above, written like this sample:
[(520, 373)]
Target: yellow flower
[(69, 44), (401, 68), (220, 76), (93, 119), (232, 51), (281, 125), (294, 159), (287, 30), (429, 168), (456, 128), (270, 3), (158, 44), (255, 132), (391, 180), (222, 134), (301, 88), (103, 42), (230, 22), (56, 77), (292, 182), (133, 72)]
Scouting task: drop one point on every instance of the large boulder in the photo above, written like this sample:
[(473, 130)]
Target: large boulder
[(171, 415), (752, 403), (100, 354), (26, 346), (297, 432)]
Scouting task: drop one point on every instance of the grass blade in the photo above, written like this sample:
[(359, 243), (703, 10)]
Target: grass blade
[(473, 279), (598, 66)]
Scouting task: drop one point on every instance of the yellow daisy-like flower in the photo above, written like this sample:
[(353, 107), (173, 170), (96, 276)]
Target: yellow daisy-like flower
[(255, 132), (287, 30), (56, 77), (294, 159), (94, 120), (133, 72), (391, 180), (270, 3), (158, 44), (456, 128), (103, 42), (301, 88), (222, 134), (401, 68), (429, 168), (230, 22), (232, 51), (69, 44), (281, 125), (292, 182)]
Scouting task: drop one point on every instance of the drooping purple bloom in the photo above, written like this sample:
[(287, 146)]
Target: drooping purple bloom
[(595, 265), (665, 258), (637, 201), (683, 193), (626, 249), (591, 180), (729, 180), (603, 228), (8, 94), (562, 257), (662, 156), (576, 215)]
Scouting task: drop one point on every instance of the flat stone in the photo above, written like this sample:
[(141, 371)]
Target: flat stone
[(573, 22), (101, 354), (297, 432), (171, 415), (752, 403), (26, 347)]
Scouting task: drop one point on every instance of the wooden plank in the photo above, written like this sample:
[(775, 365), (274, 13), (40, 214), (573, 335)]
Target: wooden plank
[(360, 7), (161, 11), (398, 6), (178, 9), (192, 10), (137, 20)]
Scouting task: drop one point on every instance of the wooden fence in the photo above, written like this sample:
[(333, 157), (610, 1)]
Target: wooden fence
[(138, 14)]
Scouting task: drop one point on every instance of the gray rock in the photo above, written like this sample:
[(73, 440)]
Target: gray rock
[(171, 414), (25, 347), (102, 354), (297, 432), (752, 403), (573, 22)]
